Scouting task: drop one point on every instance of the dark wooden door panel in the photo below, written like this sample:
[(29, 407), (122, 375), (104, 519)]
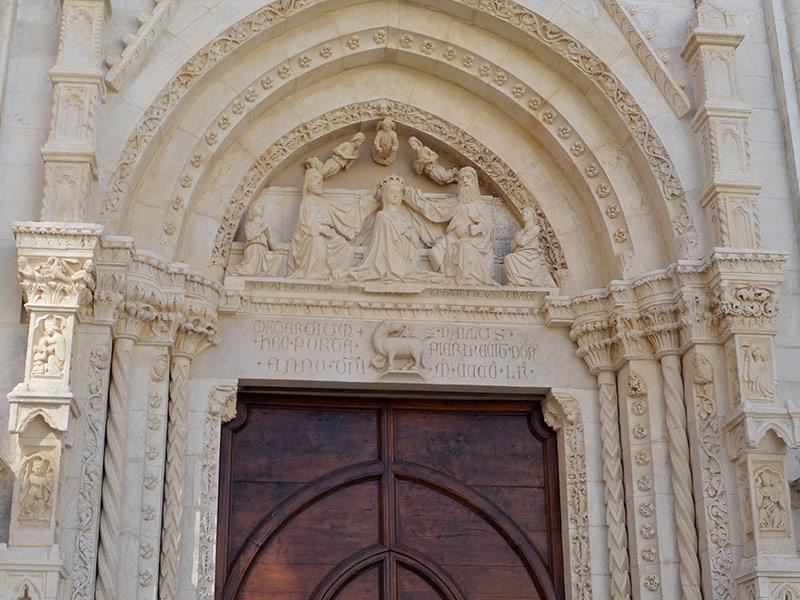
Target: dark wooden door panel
[(325, 498)]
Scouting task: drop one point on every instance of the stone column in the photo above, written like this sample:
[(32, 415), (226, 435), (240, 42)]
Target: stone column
[(593, 336), (663, 333), (56, 269), (78, 86), (130, 531), (641, 432), (196, 333)]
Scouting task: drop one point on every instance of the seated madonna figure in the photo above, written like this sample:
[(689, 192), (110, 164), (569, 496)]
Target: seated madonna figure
[(525, 264), (406, 221), (321, 242), (465, 253)]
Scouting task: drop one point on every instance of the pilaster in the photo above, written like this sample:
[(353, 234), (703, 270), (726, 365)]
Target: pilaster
[(78, 88), (721, 125), (56, 266)]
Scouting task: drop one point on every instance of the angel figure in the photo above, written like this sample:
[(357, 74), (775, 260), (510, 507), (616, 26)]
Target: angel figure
[(525, 264), (36, 489), (427, 162), (769, 500), (755, 372), (344, 156), (260, 257), (385, 145)]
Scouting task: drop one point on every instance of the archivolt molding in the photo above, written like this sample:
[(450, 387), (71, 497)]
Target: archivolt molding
[(137, 45), (654, 66), (228, 122), (544, 32)]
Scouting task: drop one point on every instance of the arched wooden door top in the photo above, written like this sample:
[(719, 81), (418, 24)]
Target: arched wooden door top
[(425, 460)]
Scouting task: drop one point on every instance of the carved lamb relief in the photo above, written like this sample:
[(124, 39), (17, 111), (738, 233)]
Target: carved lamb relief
[(396, 237)]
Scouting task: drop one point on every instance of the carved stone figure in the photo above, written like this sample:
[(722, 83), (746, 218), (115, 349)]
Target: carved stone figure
[(321, 246), (396, 341), (385, 145), (756, 376), (525, 265), (260, 257), (50, 352), (769, 500), (465, 253), (405, 220), (427, 162), (344, 156), (36, 489)]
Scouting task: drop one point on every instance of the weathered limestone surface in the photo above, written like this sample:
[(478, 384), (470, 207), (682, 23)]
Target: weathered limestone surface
[(582, 198)]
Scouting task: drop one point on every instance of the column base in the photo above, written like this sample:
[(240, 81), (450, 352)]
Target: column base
[(40, 569)]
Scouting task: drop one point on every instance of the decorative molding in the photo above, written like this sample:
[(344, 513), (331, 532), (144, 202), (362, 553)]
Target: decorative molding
[(563, 413), (715, 501), (655, 67), (122, 67), (516, 16), (85, 559), (221, 409)]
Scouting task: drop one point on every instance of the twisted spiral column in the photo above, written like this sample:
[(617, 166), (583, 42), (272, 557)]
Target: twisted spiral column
[(176, 461), (681, 477), (108, 566), (613, 490)]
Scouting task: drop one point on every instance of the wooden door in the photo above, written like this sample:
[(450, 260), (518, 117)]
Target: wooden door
[(347, 498)]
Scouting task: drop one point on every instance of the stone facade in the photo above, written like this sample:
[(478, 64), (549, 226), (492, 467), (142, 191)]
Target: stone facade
[(592, 200)]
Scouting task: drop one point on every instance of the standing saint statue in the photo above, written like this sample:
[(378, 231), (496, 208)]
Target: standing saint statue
[(427, 162), (260, 257), (385, 145), (465, 253), (525, 264), (321, 242), (406, 221), (344, 156)]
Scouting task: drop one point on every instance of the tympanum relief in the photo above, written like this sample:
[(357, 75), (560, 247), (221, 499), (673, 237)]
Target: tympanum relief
[(396, 236)]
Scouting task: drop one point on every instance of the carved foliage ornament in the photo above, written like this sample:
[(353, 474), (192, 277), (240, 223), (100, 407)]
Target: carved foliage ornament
[(56, 281), (563, 414), (517, 16)]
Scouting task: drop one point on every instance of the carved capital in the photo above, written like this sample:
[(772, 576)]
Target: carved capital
[(55, 263), (595, 345), (222, 402), (662, 328)]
